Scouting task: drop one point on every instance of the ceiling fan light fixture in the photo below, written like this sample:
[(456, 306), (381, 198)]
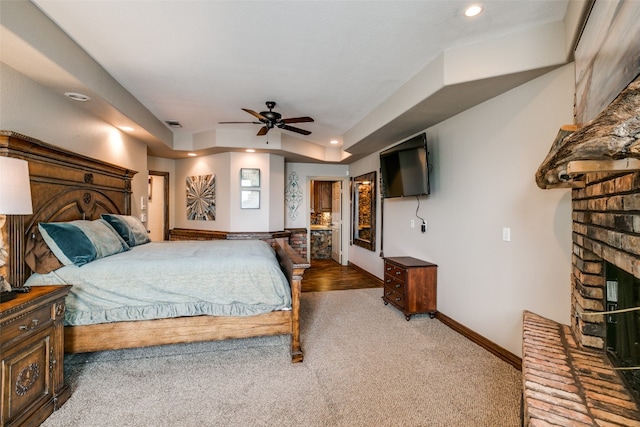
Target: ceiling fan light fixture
[(272, 119)]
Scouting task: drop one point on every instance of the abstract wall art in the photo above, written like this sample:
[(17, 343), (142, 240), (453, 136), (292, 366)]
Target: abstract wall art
[(201, 198)]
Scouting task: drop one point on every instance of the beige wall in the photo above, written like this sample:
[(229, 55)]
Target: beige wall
[(229, 215), (28, 108), (484, 161)]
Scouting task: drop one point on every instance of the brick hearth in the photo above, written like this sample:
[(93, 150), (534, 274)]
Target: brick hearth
[(567, 385)]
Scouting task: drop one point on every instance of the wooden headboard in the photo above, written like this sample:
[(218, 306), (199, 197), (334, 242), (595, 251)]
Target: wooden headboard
[(64, 186)]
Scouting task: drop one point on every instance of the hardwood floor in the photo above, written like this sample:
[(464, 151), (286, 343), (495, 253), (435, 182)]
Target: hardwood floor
[(328, 275)]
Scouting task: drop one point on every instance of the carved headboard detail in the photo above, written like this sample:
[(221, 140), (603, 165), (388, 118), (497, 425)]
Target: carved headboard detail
[(64, 186)]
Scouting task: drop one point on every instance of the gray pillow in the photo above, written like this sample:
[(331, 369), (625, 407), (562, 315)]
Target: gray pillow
[(104, 238), (129, 227)]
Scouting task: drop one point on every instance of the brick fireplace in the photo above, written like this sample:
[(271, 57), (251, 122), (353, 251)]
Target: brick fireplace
[(606, 227), (567, 376)]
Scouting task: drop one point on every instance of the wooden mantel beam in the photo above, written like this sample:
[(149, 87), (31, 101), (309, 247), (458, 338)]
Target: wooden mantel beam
[(609, 143), (578, 167)]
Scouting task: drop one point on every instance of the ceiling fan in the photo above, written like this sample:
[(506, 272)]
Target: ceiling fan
[(270, 119)]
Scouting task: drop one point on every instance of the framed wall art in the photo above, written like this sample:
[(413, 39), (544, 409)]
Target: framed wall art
[(249, 177), (250, 199), (201, 198)]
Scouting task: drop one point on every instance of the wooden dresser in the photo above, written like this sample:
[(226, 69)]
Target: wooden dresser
[(32, 356), (410, 285)]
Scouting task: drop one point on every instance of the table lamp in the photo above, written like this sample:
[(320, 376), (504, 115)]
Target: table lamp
[(15, 199)]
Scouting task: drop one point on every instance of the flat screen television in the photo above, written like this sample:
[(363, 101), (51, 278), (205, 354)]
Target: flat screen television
[(404, 168)]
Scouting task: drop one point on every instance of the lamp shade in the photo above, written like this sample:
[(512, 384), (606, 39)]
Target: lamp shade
[(15, 189)]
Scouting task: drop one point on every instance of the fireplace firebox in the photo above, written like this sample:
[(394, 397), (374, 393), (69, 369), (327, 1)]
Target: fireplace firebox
[(623, 327)]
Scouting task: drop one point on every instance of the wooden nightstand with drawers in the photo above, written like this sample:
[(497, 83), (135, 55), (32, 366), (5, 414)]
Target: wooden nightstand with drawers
[(32, 356), (410, 285)]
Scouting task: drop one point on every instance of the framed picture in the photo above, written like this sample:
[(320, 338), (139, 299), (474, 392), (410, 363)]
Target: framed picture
[(250, 199), (201, 198), (249, 177)]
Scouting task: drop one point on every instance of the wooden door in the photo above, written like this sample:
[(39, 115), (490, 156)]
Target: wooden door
[(336, 221)]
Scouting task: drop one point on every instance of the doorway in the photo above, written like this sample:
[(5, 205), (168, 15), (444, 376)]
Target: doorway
[(158, 203), (325, 219)]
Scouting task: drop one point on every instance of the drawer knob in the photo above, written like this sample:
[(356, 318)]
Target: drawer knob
[(388, 280), (398, 273), (389, 293), (398, 285), (398, 299), (388, 268), (34, 323)]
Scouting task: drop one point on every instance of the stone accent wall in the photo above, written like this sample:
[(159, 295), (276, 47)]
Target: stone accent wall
[(321, 244), (606, 226)]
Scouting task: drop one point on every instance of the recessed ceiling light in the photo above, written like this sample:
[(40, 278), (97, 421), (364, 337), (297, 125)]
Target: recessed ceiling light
[(473, 10), (250, 150), (126, 128), (191, 154), (77, 96), (334, 141)]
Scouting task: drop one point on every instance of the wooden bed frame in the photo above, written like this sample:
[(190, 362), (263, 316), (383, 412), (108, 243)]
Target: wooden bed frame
[(67, 186)]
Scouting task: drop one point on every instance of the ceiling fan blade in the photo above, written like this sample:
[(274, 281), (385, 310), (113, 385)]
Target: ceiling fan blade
[(304, 119), (255, 123), (297, 130), (263, 131), (256, 115)]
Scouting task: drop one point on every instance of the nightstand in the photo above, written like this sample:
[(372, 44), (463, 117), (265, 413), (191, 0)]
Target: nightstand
[(32, 356), (410, 285)]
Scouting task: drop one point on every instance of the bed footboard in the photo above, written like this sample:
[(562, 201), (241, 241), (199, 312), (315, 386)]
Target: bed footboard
[(294, 267)]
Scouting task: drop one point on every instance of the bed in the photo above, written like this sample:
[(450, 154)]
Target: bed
[(68, 187)]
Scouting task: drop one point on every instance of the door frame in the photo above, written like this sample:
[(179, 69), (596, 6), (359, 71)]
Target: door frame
[(165, 226), (345, 224)]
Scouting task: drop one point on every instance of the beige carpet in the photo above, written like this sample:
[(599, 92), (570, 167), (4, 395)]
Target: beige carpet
[(365, 365)]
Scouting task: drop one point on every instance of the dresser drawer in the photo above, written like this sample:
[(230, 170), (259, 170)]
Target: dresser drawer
[(394, 283), (394, 297), (395, 271), (23, 325)]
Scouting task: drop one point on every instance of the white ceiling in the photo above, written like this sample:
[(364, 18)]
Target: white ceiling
[(200, 62)]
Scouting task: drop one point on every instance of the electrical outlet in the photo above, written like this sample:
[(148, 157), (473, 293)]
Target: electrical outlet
[(506, 234), (413, 224)]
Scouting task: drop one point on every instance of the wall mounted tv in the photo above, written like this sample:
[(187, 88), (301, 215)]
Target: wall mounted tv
[(404, 168)]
